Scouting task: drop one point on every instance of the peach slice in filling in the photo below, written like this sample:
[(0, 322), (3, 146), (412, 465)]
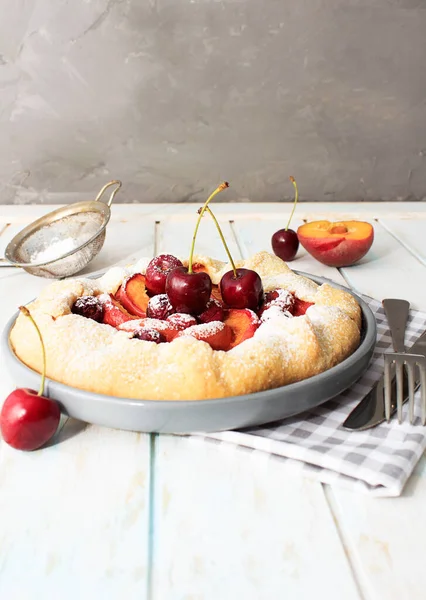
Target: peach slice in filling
[(243, 323), (133, 295), (217, 334)]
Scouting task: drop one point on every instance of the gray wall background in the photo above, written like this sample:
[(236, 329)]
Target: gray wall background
[(173, 96)]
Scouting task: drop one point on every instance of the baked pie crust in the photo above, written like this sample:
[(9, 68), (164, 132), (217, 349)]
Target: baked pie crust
[(99, 358)]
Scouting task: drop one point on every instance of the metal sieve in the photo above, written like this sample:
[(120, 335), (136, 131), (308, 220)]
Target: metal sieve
[(76, 232)]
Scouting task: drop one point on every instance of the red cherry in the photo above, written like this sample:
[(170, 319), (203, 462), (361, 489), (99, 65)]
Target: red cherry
[(245, 290), (27, 420), (214, 312), (150, 335), (181, 321), (90, 307), (188, 292), (285, 244), (157, 271), (159, 307)]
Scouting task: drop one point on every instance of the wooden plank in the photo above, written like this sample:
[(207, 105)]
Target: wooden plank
[(233, 524), (175, 237), (127, 239), (389, 270), (73, 516), (410, 233), (306, 210), (384, 539)]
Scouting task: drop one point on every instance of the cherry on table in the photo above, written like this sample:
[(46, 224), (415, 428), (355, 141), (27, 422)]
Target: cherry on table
[(285, 244), (242, 289), (27, 420)]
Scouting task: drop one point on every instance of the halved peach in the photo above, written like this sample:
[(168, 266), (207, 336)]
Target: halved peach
[(243, 323), (336, 244), (133, 295), (216, 334), (114, 313)]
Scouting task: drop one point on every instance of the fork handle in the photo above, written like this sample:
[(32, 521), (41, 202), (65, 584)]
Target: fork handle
[(397, 314)]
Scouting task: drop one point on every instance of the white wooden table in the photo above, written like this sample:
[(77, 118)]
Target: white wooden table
[(107, 514)]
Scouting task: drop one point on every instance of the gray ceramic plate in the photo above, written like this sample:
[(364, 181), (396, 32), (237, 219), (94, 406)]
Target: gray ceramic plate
[(207, 415)]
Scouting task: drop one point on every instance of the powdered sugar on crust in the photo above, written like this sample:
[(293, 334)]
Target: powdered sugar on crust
[(111, 280), (300, 286), (204, 330)]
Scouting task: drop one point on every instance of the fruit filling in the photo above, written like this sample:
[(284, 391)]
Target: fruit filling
[(213, 312), (154, 318), (89, 307), (159, 307)]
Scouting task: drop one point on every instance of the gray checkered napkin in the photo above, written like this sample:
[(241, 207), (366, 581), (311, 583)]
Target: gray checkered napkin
[(378, 461)]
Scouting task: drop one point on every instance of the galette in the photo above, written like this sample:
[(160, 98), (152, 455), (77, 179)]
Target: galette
[(130, 334)]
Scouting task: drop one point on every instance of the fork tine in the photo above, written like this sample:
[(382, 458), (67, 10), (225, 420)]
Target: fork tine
[(399, 388), (388, 385), (410, 371)]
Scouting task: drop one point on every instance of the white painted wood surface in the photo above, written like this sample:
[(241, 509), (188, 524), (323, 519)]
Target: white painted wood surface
[(109, 514)]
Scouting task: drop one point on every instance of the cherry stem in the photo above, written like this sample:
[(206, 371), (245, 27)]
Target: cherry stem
[(222, 237), (220, 188), (296, 198), (24, 310)]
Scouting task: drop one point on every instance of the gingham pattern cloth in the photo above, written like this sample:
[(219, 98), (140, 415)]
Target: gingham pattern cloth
[(378, 461)]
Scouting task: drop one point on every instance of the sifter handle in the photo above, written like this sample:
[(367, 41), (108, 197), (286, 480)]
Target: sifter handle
[(111, 198)]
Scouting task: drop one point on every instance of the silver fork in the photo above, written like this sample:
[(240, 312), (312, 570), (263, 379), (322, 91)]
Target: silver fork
[(399, 361)]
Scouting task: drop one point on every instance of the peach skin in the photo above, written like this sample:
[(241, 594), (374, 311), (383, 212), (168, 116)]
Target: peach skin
[(336, 244), (114, 313)]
